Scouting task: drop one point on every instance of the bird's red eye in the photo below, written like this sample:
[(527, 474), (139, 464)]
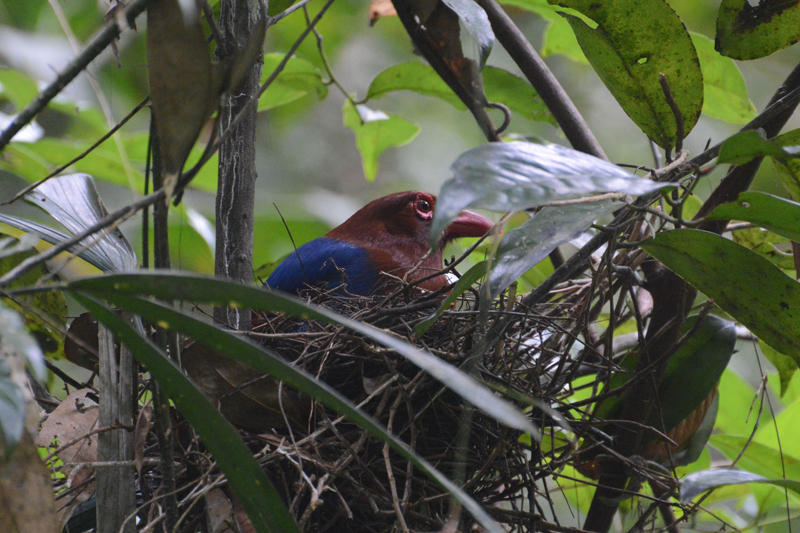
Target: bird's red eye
[(423, 208)]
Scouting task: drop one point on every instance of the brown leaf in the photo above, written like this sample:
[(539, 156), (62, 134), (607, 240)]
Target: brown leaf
[(380, 8), (80, 345), (76, 416), (181, 83), (219, 512), (26, 493)]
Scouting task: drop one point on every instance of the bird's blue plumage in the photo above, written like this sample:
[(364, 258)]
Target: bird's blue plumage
[(326, 262)]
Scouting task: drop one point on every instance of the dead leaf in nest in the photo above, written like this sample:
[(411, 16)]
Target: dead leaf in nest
[(380, 8), (26, 492), (219, 512), (76, 416)]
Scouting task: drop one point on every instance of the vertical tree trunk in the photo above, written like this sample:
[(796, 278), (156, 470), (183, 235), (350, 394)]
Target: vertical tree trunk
[(237, 169), (116, 489)]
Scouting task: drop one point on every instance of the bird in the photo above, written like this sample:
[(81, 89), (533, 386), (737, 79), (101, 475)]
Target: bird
[(388, 235)]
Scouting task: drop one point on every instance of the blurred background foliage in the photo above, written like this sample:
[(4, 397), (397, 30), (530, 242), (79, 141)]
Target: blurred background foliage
[(310, 169)]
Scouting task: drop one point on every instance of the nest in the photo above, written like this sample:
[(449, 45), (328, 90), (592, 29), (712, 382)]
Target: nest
[(334, 476)]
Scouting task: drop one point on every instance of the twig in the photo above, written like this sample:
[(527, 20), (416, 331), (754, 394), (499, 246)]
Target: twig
[(542, 79), (676, 111), (97, 45)]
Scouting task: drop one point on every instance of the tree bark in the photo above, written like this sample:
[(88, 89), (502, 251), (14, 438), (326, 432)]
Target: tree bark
[(237, 169)]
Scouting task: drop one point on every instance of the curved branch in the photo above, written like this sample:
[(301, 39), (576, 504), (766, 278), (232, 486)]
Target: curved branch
[(97, 45), (542, 79)]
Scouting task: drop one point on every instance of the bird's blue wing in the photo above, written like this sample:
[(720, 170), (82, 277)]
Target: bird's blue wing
[(326, 262)]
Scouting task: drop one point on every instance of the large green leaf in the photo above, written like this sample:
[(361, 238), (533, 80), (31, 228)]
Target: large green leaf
[(500, 86), (375, 132), (636, 41), (747, 31), (518, 175), (267, 362), (692, 373), (756, 457), (742, 283), (774, 213), (726, 95), (195, 288), (748, 145), (250, 484)]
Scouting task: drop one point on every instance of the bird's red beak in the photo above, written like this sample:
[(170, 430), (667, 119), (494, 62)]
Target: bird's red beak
[(468, 224)]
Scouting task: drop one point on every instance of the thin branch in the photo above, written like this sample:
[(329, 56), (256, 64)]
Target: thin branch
[(186, 177), (97, 45), (676, 111), (542, 79), (86, 152)]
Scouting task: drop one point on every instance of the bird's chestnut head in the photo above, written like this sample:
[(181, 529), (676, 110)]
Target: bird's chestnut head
[(395, 230)]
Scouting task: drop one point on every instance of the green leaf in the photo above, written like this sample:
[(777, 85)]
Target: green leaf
[(696, 445), (265, 361), (413, 76), (785, 424), (375, 132), (205, 289), (17, 87), (634, 42), (558, 36), (12, 410), (757, 458), (250, 484), (500, 86), (465, 282), (742, 283), (44, 312), (738, 409), (785, 365), (789, 169), (746, 31), (726, 95), (525, 246), (767, 244), (297, 79), (774, 213), (692, 373), (504, 87), (699, 482), (748, 145), (513, 176)]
